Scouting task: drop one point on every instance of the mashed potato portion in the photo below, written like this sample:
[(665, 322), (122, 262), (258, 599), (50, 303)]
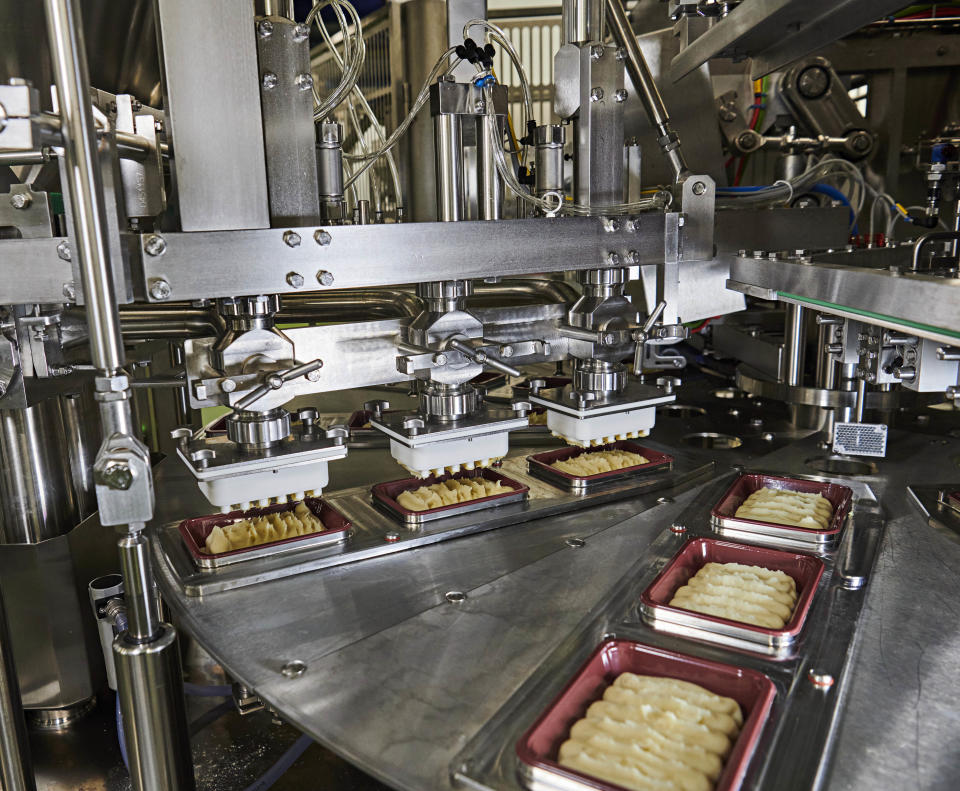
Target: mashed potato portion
[(650, 732), (450, 492), (783, 507), (262, 530), (749, 594), (597, 461)]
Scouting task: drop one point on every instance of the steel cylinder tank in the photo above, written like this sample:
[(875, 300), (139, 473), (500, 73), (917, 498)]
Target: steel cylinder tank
[(121, 47)]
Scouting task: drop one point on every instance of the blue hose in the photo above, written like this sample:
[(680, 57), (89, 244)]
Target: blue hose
[(287, 760), (835, 194), (120, 736), (208, 691)]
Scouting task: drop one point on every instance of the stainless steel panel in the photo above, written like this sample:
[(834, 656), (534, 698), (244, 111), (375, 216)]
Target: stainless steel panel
[(776, 32), (212, 101), (289, 140), (257, 262), (924, 305), (598, 129), (16, 771)]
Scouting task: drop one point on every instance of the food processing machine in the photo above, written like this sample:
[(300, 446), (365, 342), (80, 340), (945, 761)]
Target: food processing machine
[(262, 253)]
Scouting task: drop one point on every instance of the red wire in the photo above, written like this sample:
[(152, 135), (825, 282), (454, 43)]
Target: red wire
[(753, 125), (950, 10)]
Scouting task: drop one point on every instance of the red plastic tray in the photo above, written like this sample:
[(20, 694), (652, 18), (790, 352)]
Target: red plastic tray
[(543, 461), (388, 492), (806, 571), (954, 498), (539, 746), (195, 531), (840, 497)]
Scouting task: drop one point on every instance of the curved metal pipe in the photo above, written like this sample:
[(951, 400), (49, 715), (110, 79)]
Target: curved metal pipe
[(344, 305), (543, 289)]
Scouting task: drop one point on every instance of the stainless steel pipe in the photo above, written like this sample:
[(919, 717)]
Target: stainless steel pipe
[(489, 183), (582, 21), (84, 181), (448, 145), (144, 624), (16, 770), (150, 686), (646, 86), (794, 340)]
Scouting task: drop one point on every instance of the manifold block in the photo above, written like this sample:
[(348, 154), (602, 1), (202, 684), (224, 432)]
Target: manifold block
[(451, 455), (241, 490), (591, 430)]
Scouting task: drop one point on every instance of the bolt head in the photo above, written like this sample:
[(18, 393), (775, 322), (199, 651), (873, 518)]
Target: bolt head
[(621, 53), (63, 251), (322, 237), (269, 80), (20, 200), (596, 94), (506, 351), (155, 245), (301, 32), (295, 280), (325, 278), (70, 292), (439, 359), (228, 385), (596, 52), (699, 188), (294, 669), (160, 289), (265, 28), (613, 258), (291, 238), (116, 475), (304, 81), (312, 376), (621, 95), (633, 257)]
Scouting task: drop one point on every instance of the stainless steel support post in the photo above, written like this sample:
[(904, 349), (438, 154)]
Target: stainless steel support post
[(582, 21), (548, 141), (278, 8), (448, 144), (489, 183), (643, 81), (793, 343), (16, 770), (150, 685), (861, 400)]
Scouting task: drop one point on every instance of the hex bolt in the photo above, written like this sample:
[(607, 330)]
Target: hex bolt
[(301, 32), (155, 245), (621, 53), (265, 28), (295, 280), (294, 669), (620, 95), (575, 543), (455, 597), (392, 536), (607, 338), (699, 188), (322, 237), (116, 475), (269, 80), (596, 94), (160, 289), (633, 257), (70, 292), (439, 359), (291, 238), (228, 385), (506, 350), (325, 278), (596, 52), (304, 81), (20, 200), (63, 251), (312, 376), (613, 258)]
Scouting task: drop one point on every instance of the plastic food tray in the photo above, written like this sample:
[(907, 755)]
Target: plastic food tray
[(724, 521), (195, 532), (385, 494), (539, 465), (538, 747), (950, 499), (655, 609)]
